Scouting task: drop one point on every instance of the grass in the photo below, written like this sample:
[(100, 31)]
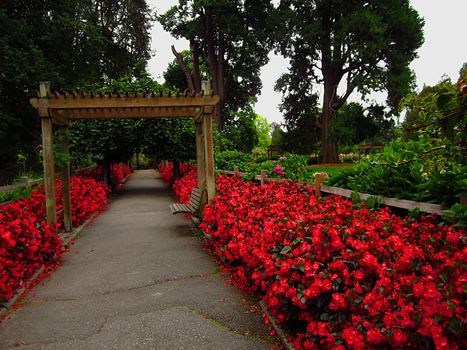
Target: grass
[(331, 170)]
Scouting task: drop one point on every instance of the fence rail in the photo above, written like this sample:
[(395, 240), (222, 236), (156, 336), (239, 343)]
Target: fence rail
[(26, 182), (320, 188)]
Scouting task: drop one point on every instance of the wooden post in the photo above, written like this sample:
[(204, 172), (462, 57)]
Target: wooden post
[(48, 154), (236, 171), (25, 180), (319, 178), (66, 184), (264, 175), (49, 169), (209, 156), (206, 87), (200, 163)]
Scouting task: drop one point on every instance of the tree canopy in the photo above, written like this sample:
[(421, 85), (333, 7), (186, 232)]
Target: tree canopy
[(67, 42), (351, 45), (233, 38)]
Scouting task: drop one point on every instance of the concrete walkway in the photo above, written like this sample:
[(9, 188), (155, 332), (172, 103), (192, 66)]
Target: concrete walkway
[(136, 279)]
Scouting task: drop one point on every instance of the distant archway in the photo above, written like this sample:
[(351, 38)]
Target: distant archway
[(61, 108)]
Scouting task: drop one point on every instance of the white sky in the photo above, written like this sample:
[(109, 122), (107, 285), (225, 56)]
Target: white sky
[(443, 52)]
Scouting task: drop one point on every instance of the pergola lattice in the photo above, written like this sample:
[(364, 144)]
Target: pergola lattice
[(60, 109)]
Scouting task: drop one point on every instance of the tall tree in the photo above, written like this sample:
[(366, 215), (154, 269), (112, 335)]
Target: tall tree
[(67, 42), (232, 37), (357, 44)]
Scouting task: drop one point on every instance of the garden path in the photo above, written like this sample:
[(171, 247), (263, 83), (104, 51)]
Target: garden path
[(138, 278)]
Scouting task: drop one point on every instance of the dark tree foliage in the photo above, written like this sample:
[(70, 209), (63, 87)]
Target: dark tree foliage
[(67, 42), (367, 45), (240, 131), (107, 141), (355, 124), (300, 109), (233, 38)]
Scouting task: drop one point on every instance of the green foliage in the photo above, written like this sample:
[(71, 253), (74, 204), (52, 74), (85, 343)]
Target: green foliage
[(416, 170), (67, 42), (355, 124), (456, 214), (227, 160), (277, 136), (438, 111), (240, 130), (294, 167), (262, 130), (15, 194), (172, 139), (117, 140)]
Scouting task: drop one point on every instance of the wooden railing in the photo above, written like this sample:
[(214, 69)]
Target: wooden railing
[(25, 182), (319, 188)]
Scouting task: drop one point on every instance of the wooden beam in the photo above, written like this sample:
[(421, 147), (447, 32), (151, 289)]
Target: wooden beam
[(124, 113), (209, 156), (393, 202), (42, 103), (200, 163), (67, 217), (49, 169), (107, 101)]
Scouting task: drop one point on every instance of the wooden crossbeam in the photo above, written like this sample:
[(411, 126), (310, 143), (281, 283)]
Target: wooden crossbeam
[(107, 101), (123, 113)]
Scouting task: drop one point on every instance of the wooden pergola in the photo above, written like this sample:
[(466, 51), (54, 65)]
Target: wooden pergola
[(60, 109)]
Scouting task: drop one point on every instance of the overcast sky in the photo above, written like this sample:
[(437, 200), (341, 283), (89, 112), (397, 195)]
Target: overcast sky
[(443, 52)]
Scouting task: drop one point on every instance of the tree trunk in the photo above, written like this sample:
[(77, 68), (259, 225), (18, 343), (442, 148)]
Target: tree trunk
[(329, 152), (215, 62)]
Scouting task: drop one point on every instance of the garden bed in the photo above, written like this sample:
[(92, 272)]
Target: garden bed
[(339, 277)]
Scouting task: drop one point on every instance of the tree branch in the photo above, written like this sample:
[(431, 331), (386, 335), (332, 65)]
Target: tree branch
[(183, 67), (196, 74)]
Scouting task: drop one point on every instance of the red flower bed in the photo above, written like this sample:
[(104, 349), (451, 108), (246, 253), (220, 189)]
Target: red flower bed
[(87, 197), (126, 170), (338, 277), (27, 242), (117, 173), (183, 186)]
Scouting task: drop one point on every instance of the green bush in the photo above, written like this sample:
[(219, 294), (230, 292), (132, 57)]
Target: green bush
[(416, 170)]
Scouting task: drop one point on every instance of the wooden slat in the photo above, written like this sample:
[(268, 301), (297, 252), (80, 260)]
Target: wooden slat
[(127, 102), (393, 202), (125, 113), (49, 169), (30, 183), (200, 162), (209, 156), (67, 214), (231, 173), (181, 208), (269, 180)]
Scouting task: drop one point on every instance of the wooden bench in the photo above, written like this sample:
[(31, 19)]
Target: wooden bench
[(192, 207)]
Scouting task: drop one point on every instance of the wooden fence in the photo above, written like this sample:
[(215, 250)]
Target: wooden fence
[(319, 188), (26, 182)]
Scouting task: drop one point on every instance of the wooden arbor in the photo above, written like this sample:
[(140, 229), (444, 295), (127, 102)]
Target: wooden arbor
[(61, 109)]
